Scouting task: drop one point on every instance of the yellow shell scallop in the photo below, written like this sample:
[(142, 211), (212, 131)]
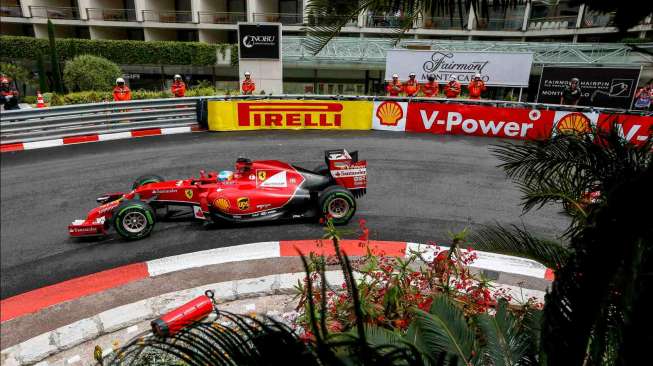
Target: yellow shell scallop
[(389, 113), (574, 123)]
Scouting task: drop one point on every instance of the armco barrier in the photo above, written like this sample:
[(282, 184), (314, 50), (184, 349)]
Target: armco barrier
[(30, 125)]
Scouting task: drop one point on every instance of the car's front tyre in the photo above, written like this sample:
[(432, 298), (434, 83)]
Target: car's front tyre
[(145, 179), (134, 220)]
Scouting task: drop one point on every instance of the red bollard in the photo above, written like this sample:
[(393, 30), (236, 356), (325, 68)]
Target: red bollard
[(174, 321)]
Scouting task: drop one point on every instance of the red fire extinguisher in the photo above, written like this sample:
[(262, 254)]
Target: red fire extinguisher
[(192, 311)]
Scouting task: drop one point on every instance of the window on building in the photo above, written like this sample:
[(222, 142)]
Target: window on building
[(187, 35), (135, 34), (82, 32)]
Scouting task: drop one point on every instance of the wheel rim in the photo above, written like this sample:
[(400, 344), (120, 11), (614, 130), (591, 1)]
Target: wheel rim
[(338, 208), (134, 222)]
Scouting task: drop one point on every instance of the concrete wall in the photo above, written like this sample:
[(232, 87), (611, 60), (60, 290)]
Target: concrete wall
[(107, 33), (268, 75), (212, 5), (156, 34), (60, 31)]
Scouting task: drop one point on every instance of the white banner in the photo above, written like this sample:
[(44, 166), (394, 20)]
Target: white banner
[(496, 68), (389, 116)]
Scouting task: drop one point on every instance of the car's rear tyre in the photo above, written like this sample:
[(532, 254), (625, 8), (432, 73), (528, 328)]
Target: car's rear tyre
[(145, 179), (134, 220), (337, 203)]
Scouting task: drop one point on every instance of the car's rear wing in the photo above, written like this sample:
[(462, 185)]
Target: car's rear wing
[(347, 170)]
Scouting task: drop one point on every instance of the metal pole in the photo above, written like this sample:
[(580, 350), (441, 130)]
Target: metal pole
[(520, 91)]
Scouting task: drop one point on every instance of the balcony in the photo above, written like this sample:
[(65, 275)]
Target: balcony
[(54, 12), (385, 21), (283, 18), (11, 11), (314, 20), (501, 24), (113, 15), (213, 17), (564, 22), (596, 20), (168, 16), (444, 23)]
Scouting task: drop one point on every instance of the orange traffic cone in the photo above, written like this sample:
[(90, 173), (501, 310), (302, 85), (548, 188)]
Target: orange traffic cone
[(39, 100)]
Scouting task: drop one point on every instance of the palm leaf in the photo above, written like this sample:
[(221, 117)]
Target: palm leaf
[(444, 330), (506, 342), (518, 242)]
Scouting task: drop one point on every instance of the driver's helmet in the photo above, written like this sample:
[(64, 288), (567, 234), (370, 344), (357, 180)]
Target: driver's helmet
[(243, 165), (225, 175)]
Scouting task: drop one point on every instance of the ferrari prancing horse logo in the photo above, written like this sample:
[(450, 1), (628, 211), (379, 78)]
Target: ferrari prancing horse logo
[(189, 193), (261, 175), (243, 203)]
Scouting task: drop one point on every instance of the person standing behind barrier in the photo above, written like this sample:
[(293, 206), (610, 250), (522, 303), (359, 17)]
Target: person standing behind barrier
[(411, 87), (644, 96), (476, 87), (8, 94), (452, 89), (431, 88), (248, 84), (571, 94), (394, 87), (178, 87), (121, 91)]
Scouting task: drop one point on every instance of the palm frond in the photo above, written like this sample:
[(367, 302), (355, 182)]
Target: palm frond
[(444, 330), (518, 242), (506, 343)]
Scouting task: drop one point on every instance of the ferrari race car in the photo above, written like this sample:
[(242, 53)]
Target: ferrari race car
[(263, 190)]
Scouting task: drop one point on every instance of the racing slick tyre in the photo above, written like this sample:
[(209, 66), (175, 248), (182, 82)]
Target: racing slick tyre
[(134, 220), (144, 179), (337, 203)]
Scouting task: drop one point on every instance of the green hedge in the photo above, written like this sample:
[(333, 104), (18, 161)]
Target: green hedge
[(118, 51), (53, 99)]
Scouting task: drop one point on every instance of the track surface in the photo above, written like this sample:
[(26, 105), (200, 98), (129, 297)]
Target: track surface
[(420, 188)]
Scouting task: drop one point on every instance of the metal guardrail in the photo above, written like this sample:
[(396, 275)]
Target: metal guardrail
[(29, 125)]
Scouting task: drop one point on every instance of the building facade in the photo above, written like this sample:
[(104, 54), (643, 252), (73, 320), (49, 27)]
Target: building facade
[(214, 21)]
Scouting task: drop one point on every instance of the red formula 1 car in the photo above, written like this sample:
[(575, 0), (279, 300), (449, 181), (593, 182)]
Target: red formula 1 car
[(263, 190)]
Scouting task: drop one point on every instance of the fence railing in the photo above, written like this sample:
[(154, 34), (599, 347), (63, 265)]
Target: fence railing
[(54, 12), (214, 17), (118, 15), (283, 18), (11, 11), (167, 16), (385, 21), (29, 125), (507, 24), (444, 23)]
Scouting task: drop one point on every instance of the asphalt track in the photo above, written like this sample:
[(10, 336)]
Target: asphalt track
[(421, 187)]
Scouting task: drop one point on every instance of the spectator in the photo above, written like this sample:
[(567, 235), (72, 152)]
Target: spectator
[(248, 84), (431, 88), (476, 87), (411, 87), (452, 89), (121, 91), (571, 94), (643, 96), (8, 94), (394, 88), (178, 87)]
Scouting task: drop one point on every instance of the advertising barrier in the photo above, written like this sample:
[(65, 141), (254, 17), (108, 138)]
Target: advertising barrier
[(289, 115), (600, 86), (459, 119), (635, 129)]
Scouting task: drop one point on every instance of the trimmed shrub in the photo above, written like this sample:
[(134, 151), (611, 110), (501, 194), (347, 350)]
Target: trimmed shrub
[(118, 51), (17, 73), (88, 72), (85, 97)]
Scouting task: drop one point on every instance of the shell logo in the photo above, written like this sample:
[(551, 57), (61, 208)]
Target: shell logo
[(389, 113), (574, 123), (222, 204)]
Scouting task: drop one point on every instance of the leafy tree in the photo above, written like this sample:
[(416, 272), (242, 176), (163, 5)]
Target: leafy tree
[(17, 73), (596, 312), (86, 72), (54, 59)]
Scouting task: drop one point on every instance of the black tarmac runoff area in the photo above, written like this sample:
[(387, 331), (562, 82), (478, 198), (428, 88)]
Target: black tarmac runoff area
[(421, 187)]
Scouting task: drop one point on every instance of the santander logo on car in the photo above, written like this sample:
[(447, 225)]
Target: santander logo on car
[(517, 123)]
